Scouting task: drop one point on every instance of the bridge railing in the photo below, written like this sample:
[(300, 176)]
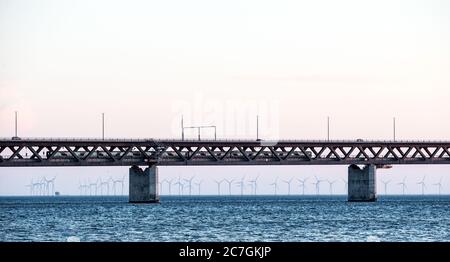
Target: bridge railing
[(84, 139)]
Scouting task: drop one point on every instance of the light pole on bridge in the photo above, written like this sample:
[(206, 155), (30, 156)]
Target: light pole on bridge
[(182, 127), (328, 128), (394, 128), (103, 126), (257, 128), (15, 133)]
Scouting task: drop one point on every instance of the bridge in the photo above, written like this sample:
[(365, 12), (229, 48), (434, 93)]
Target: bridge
[(29, 152)]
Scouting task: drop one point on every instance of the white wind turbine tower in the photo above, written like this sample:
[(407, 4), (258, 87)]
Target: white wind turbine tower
[(80, 187), (160, 185), (118, 181), (111, 181), (99, 185), (275, 186), (345, 185), (33, 185), (331, 185), (254, 184), (122, 181), (288, 182), (169, 185), (403, 184), (104, 183), (88, 184), (189, 181), (41, 187), (180, 186), (439, 185), (37, 185), (52, 183), (91, 184), (229, 185), (302, 184), (385, 185), (87, 187), (317, 184), (198, 184), (241, 184), (423, 185), (218, 185), (44, 183)]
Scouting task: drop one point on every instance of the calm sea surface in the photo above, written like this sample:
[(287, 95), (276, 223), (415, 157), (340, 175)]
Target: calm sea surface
[(234, 218)]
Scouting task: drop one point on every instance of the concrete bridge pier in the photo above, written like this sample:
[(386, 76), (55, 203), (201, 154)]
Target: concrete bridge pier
[(362, 183), (143, 185)]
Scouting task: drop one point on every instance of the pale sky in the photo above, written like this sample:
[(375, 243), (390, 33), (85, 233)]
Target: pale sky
[(145, 63)]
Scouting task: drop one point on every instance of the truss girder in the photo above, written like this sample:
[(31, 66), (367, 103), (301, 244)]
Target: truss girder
[(168, 152)]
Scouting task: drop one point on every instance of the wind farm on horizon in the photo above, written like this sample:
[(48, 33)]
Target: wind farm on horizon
[(244, 185)]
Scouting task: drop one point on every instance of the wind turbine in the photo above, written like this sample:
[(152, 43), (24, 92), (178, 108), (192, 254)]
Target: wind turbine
[(345, 185), (423, 185), (218, 185), (189, 181), (439, 185), (180, 186), (123, 183), (198, 185), (160, 183), (302, 184), (255, 183), (100, 185), (111, 180), (275, 185), (385, 185), (403, 184), (108, 188), (229, 185), (50, 182), (169, 184), (118, 181), (288, 182), (331, 185), (86, 188), (91, 184), (241, 185), (106, 183), (317, 184), (80, 187), (33, 185), (44, 183)]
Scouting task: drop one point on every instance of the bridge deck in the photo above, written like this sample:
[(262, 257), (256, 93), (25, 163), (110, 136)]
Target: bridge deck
[(127, 152)]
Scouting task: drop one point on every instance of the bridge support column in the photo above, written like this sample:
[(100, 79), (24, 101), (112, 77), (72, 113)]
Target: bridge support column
[(143, 185), (362, 183)]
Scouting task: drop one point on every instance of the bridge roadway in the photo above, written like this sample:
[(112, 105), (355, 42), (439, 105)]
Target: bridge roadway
[(27, 152), (145, 152)]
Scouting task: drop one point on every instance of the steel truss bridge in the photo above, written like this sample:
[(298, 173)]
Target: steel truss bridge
[(21, 152)]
